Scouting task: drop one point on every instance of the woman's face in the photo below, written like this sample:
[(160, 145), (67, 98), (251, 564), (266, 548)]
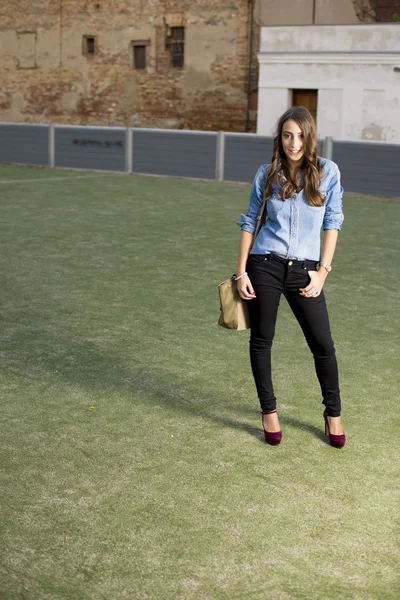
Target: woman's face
[(292, 142)]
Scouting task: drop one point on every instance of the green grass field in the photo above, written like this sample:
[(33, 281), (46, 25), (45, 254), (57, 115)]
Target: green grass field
[(132, 457)]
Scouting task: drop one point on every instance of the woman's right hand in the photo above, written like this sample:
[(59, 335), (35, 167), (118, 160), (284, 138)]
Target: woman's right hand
[(245, 289)]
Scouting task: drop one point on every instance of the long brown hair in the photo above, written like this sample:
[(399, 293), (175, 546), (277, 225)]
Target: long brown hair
[(311, 168)]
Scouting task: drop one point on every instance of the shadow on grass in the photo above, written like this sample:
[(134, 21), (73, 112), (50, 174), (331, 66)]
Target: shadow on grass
[(54, 356), (291, 422), (315, 431)]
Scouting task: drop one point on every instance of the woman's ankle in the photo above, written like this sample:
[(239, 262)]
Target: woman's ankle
[(270, 421)]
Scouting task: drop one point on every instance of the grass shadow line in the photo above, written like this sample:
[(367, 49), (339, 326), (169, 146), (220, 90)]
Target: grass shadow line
[(296, 423)]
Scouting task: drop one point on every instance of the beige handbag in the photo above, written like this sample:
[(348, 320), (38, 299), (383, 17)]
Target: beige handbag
[(234, 311)]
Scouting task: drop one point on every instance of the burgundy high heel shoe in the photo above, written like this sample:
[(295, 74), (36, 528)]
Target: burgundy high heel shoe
[(273, 438), (337, 441)]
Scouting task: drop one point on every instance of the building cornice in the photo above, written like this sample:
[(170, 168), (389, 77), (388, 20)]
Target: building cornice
[(327, 57)]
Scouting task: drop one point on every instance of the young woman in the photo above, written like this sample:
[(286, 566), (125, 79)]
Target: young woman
[(303, 195)]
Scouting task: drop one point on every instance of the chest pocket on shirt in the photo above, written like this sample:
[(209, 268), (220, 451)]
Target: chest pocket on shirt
[(317, 209), (274, 206), (323, 192), (315, 214)]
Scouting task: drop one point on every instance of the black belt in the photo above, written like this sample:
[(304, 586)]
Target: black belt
[(292, 261)]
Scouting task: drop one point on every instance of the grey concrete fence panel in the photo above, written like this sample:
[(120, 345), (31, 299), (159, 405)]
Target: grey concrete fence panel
[(366, 167), (23, 143), (97, 148), (244, 153), (369, 168), (175, 153)]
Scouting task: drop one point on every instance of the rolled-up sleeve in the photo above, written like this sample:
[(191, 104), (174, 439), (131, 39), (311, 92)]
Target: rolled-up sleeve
[(248, 222), (333, 218)]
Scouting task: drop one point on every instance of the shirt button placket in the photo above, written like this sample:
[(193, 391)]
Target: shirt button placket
[(293, 228)]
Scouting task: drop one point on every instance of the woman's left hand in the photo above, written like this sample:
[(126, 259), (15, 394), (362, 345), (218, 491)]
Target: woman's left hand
[(315, 286)]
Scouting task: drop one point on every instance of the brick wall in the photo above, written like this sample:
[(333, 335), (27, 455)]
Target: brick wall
[(47, 76)]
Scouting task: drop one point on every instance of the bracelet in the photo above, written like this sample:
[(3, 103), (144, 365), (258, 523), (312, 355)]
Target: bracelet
[(239, 276), (327, 267)]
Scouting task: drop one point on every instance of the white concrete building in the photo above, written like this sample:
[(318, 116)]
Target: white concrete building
[(347, 75)]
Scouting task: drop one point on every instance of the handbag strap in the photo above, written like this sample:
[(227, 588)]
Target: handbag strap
[(259, 218)]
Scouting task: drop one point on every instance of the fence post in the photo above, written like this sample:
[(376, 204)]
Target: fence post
[(128, 150), (220, 158), (328, 148), (51, 146)]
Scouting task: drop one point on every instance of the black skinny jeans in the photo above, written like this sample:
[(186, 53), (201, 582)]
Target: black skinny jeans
[(272, 276)]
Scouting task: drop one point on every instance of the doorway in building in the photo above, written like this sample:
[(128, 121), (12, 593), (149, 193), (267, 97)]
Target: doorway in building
[(307, 98)]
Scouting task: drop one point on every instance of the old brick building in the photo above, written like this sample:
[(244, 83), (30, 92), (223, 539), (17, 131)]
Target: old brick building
[(149, 63)]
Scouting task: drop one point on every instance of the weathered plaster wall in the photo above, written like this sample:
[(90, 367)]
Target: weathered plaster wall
[(301, 12), (354, 69), (46, 77)]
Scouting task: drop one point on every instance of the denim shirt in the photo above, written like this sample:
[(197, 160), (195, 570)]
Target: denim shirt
[(293, 227)]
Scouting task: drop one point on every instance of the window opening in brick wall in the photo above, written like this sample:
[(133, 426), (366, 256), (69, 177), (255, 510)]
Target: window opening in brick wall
[(176, 46), (139, 57), (89, 45), (26, 50), (139, 54)]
